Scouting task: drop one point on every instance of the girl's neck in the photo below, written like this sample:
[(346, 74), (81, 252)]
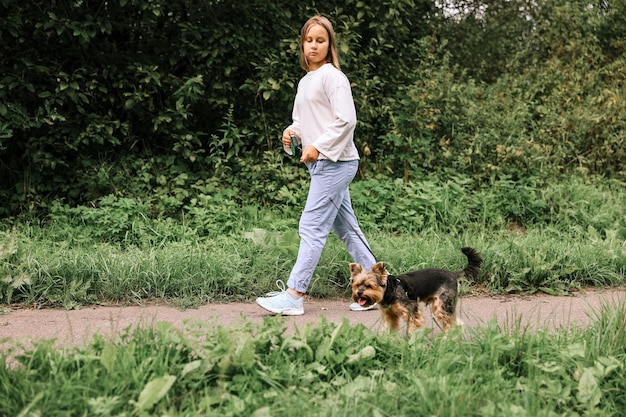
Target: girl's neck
[(315, 67)]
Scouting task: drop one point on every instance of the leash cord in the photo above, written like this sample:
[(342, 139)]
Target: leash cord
[(296, 145)]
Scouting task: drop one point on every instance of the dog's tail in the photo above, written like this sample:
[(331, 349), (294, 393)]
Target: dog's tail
[(474, 261)]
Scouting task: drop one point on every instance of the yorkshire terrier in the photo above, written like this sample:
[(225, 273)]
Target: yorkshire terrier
[(398, 296)]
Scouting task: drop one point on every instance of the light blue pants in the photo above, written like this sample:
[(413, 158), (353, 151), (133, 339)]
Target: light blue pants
[(328, 206)]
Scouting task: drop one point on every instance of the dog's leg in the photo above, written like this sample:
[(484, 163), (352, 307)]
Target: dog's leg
[(415, 318), (396, 312), (391, 318), (445, 319)]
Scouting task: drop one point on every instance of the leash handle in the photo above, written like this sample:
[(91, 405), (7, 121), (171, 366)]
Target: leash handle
[(296, 145)]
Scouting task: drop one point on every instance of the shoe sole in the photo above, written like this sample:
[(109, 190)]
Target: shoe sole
[(283, 311), (373, 307)]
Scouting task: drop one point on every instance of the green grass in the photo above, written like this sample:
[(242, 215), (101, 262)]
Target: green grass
[(329, 369), (227, 268), (552, 239)]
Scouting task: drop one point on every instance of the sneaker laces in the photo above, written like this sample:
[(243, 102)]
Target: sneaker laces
[(281, 285)]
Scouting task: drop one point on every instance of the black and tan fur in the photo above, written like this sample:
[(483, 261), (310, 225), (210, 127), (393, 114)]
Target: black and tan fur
[(398, 296)]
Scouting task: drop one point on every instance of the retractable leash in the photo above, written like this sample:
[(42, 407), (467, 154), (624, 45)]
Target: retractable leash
[(296, 151), (296, 145)]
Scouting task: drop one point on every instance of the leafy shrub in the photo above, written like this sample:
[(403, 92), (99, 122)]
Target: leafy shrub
[(108, 107)]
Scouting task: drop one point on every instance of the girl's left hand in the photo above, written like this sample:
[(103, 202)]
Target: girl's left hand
[(309, 154)]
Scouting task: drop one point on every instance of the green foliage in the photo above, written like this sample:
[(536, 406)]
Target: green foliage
[(206, 369), (120, 129), (97, 89), (14, 273), (450, 204), (485, 34), (537, 262), (125, 99), (557, 116)]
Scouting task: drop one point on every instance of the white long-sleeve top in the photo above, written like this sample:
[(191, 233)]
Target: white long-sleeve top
[(324, 115)]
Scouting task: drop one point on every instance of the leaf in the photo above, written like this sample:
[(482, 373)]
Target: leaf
[(26, 411), (103, 406), (257, 235), (262, 412), (550, 367), (191, 366), (368, 352), (575, 350), (588, 389), (107, 358), (20, 280), (154, 391), (606, 365), (295, 344)]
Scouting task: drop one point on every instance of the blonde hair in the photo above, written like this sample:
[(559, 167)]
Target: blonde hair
[(332, 56)]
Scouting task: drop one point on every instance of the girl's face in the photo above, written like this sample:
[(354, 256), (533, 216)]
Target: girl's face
[(316, 46)]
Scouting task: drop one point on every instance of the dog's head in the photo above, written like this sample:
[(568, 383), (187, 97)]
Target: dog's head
[(368, 287)]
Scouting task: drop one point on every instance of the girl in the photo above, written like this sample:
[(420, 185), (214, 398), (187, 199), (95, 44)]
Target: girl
[(324, 119)]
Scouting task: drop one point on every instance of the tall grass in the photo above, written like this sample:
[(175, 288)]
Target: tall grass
[(325, 369), (532, 238)]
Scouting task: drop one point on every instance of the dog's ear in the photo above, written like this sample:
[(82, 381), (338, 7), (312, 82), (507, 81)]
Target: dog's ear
[(379, 268), (355, 269), (381, 273)]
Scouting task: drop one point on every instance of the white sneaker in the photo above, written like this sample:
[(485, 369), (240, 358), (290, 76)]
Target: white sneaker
[(282, 303), (357, 307)]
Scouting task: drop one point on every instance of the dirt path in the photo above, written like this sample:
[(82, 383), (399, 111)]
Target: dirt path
[(73, 328)]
